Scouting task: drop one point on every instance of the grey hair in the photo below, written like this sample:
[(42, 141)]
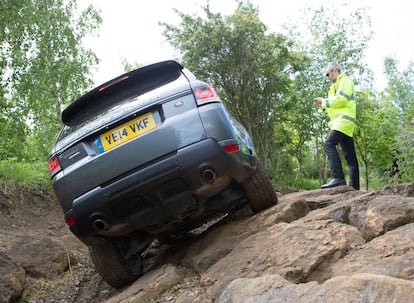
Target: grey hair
[(333, 66)]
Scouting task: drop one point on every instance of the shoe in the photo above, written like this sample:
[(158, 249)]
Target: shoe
[(334, 183), (356, 187)]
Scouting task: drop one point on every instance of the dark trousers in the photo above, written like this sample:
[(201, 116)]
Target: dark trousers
[(348, 149)]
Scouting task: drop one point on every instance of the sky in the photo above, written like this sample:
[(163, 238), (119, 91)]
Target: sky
[(130, 29)]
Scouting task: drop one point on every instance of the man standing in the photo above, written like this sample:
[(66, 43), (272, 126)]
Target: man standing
[(341, 109)]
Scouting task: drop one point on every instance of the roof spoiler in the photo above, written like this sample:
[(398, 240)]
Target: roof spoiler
[(110, 93)]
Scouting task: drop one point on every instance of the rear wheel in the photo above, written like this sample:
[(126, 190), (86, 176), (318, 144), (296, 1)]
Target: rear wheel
[(114, 265), (259, 190)]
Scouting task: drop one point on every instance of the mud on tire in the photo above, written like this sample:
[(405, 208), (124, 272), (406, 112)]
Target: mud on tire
[(113, 266), (259, 190)]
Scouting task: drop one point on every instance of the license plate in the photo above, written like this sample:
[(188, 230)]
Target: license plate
[(125, 132)]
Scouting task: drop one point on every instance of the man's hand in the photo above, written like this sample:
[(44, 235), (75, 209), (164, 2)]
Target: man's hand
[(318, 101)]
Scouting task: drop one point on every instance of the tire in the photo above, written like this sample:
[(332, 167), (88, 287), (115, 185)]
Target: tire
[(259, 190), (113, 267)]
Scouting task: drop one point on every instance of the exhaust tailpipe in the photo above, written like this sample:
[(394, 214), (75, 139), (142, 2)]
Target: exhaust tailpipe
[(208, 175), (101, 224)]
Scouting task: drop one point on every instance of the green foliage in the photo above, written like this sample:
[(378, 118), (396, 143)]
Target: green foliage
[(269, 85), (405, 156), (129, 66), (375, 135), (249, 67), (400, 96), (45, 67), (326, 35), (30, 175), (341, 36), (284, 173)]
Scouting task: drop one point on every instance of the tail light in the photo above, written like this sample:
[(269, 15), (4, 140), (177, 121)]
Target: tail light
[(70, 220), (204, 93), (231, 148), (53, 165)]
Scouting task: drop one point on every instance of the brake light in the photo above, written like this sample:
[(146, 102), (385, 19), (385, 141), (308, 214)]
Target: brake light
[(231, 148), (70, 220), (205, 92), (53, 164), (113, 83)]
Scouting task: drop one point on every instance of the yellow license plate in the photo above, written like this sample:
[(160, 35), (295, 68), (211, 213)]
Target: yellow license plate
[(125, 132)]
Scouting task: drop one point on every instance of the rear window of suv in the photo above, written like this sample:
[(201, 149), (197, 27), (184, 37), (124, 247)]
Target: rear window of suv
[(122, 88)]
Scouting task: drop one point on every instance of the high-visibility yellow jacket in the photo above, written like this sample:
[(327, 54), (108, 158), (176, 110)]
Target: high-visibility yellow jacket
[(341, 105)]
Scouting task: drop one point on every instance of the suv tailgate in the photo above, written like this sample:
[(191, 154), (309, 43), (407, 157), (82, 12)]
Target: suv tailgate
[(90, 162)]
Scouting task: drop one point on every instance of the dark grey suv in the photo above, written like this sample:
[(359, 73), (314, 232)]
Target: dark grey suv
[(148, 155)]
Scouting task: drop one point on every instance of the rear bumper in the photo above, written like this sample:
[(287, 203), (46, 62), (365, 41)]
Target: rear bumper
[(155, 197)]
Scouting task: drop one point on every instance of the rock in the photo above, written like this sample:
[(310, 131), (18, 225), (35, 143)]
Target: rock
[(295, 251), (150, 285), (317, 199), (357, 288), (330, 245), (195, 298), (40, 257), (405, 190), (371, 213), (12, 279), (220, 241), (391, 254), (384, 213)]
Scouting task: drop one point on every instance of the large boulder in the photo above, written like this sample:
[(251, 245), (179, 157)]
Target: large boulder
[(357, 288), (391, 254), (220, 241), (150, 285), (298, 252), (41, 257)]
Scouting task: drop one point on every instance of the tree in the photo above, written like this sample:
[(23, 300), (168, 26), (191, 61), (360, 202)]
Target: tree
[(327, 35), (400, 92), (44, 67), (375, 135), (249, 67)]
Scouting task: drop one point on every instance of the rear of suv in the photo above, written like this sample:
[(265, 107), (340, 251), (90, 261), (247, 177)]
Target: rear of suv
[(148, 155)]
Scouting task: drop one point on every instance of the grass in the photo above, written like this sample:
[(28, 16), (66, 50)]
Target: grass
[(27, 174), (295, 184)]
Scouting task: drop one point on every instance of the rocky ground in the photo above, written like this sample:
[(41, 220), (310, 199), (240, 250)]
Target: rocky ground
[(335, 245)]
